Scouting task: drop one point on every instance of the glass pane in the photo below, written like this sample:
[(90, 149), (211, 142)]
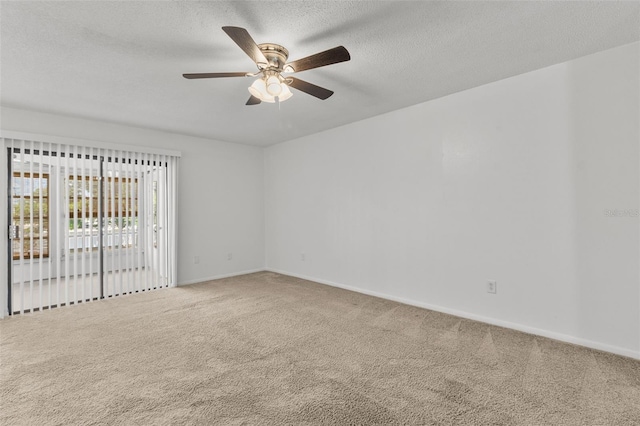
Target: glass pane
[(31, 203), (16, 186), (42, 184), (26, 248), (15, 207), (15, 245)]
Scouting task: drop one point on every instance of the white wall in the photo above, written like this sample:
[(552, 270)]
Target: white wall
[(509, 181), (221, 206)]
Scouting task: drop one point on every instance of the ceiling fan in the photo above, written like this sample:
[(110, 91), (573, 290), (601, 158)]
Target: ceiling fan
[(271, 60)]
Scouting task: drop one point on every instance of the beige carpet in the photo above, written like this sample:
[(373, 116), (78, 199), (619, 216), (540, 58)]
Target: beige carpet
[(270, 349)]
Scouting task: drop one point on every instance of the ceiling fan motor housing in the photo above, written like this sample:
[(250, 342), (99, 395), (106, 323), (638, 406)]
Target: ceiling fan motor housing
[(275, 54)]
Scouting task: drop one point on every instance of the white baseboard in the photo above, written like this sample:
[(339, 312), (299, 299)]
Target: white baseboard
[(217, 277), (493, 321)]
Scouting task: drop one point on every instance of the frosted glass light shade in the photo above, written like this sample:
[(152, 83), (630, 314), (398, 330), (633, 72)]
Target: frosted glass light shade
[(259, 90), (285, 94), (273, 86)]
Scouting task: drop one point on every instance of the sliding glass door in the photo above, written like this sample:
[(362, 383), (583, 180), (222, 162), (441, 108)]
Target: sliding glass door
[(87, 223)]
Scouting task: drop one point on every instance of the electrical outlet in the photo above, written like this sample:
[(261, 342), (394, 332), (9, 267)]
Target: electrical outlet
[(196, 259), (229, 256), (492, 286), (303, 257)]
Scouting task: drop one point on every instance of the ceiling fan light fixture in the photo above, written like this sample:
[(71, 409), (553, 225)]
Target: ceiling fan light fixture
[(259, 90)]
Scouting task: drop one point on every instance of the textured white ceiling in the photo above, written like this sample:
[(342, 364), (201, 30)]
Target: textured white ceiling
[(122, 61)]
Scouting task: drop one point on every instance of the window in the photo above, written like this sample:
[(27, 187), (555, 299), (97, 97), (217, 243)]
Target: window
[(30, 215), (120, 207)]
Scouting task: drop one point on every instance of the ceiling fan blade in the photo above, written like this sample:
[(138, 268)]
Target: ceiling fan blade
[(253, 101), (328, 57), (215, 75), (246, 43), (312, 89)]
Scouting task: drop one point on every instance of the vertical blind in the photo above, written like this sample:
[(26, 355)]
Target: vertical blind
[(88, 223)]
